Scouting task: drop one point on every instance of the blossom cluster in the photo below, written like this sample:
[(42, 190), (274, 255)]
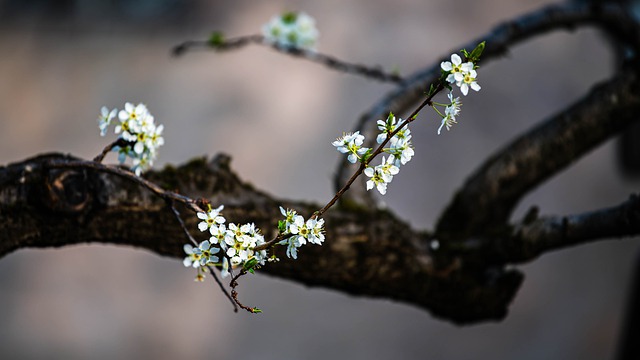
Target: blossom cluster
[(137, 127), (292, 29), (298, 231), (399, 150), (463, 75), (237, 243)]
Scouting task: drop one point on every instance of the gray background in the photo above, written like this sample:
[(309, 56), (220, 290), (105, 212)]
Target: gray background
[(277, 116)]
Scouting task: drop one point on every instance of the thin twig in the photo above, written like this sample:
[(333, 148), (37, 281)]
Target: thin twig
[(331, 62), (119, 142), (127, 174), (224, 290), (363, 165), (234, 293), (182, 224)]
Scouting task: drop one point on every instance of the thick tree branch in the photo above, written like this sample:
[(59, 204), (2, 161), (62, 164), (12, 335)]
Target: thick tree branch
[(533, 236), (372, 254), (490, 194), (610, 18), (366, 253)]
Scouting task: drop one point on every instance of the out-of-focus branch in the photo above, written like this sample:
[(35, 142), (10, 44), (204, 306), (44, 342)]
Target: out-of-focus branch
[(490, 194), (610, 18), (332, 62), (533, 236)]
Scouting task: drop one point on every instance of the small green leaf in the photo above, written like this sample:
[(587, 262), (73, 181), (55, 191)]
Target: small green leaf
[(432, 90), (216, 39), (465, 53), (289, 17), (475, 54), (255, 310), (282, 226), (250, 264)]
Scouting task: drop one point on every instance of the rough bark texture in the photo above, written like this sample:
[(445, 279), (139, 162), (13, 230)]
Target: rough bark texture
[(372, 254)]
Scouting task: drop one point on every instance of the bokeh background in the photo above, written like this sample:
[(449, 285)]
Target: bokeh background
[(60, 61)]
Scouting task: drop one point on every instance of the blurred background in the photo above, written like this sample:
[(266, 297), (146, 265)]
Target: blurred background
[(60, 61)]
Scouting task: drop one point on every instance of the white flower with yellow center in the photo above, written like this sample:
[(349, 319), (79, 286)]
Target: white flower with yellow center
[(468, 81), (454, 67), (210, 218), (382, 174), (351, 143)]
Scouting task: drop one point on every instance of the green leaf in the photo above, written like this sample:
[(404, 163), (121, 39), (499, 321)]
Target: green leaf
[(282, 226), (250, 264), (255, 310), (432, 90), (475, 54), (289, 17), (216, 39)]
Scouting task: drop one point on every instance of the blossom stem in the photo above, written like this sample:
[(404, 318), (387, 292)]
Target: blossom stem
[(224, 290), (377, 151), (362, 166), (182, 224), (108, 148)]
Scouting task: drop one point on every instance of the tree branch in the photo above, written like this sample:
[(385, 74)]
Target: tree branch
[(332, 62), (533, 236), (366, 253), (490, 194)]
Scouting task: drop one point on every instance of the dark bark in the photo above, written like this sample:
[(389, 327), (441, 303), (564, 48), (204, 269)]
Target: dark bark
[(44, 204)]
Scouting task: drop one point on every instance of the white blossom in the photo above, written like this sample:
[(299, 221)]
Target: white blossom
[(351, 143), (218, 234), (295, 29), (400, 144), (202, 255), (104, 120), (382, 174), (137, 127), (468, 81), (454, 68), (193, 256), (462, 74), (298, 232), (210, 218), (239, 243), (450, 112)]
